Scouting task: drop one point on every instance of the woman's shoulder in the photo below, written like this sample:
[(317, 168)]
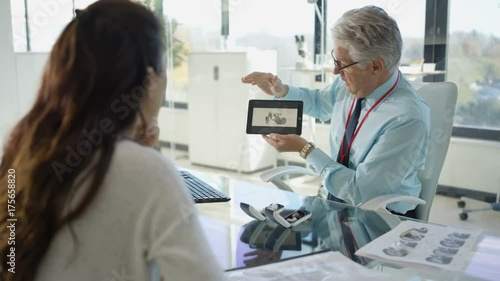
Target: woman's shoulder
[(135, 163), (143, 176), (129, 152)]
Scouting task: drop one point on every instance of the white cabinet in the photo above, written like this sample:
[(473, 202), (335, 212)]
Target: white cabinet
[(217, 109)]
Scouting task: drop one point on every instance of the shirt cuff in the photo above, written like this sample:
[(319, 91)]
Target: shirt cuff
[(292, 94), (318, 160)]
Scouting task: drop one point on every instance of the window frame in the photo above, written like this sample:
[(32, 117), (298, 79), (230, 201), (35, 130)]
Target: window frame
[(437, 17)]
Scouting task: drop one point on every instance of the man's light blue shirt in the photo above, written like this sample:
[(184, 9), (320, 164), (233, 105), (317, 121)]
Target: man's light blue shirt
[(389, 149)]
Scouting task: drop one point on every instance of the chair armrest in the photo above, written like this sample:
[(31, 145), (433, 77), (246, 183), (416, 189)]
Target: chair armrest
[(380, 203), (276, 175)]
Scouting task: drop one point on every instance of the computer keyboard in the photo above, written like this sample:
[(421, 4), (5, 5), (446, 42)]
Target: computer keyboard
[(200, 191)]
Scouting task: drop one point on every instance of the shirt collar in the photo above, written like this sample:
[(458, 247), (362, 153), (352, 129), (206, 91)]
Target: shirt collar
[(382, 89)]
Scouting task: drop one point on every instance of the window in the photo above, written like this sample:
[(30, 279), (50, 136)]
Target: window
[(275, 27), (410, 16), (190, 26), (45, 21), (18, 25), (260, 24), (474, 62)]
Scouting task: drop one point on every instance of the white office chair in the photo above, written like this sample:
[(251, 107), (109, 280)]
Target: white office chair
[(441, 98)]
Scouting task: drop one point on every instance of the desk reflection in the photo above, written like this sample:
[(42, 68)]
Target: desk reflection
[(332, 227), (240, 241)]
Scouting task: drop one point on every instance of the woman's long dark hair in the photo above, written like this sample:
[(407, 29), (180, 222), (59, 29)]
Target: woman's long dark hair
[(92, 84)]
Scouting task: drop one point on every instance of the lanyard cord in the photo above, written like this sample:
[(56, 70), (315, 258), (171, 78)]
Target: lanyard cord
[(342, 154)]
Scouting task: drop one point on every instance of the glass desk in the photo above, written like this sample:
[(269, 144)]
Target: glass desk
[(240, 241)]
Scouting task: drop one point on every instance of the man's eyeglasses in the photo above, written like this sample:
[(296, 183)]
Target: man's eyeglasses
[(338, 64)]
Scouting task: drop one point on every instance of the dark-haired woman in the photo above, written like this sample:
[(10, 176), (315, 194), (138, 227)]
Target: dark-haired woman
[(91, 202)]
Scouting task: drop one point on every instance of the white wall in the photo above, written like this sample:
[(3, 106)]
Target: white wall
[(472, 164), (9, 105)]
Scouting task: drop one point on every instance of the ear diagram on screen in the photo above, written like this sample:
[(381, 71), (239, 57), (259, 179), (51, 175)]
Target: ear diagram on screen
[(276, 117)]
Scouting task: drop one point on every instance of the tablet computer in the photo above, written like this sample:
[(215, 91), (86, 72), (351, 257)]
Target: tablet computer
[(274, 116)]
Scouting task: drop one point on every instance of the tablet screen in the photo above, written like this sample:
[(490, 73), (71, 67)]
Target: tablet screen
[(274, 116)]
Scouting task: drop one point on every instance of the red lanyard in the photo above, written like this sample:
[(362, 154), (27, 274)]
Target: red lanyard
[(342, 155)]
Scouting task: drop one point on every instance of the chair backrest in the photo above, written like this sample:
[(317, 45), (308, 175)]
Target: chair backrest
[(441, 97)]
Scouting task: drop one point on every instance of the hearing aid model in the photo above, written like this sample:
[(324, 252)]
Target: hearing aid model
[(260, 215), (293, 219)]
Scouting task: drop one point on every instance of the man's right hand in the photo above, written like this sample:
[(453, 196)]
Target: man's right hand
[(267, 82)]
